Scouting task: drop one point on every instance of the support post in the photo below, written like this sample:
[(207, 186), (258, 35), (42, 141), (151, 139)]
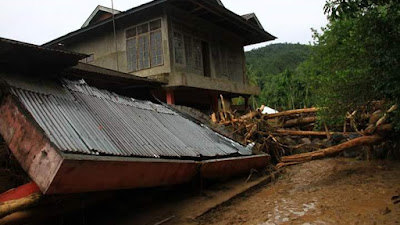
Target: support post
[(170, 97), (246, 103), (214, 103)]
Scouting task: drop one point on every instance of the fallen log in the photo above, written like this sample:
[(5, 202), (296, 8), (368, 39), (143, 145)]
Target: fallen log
[(232, 121), (290, 112), (299, 122), (250, 133), (305, 157), (19, 198), (372, 127), (9, 207), (252, 114), (304, 133)]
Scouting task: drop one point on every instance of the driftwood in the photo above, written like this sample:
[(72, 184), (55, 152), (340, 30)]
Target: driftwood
[(264, 130), (290, 112), (299, 122), (373, 127), (214, 118), (304, 133), (9, 207), (252, 114), (305, 157)]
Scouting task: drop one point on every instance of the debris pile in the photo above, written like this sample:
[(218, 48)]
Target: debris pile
[(293, 137)]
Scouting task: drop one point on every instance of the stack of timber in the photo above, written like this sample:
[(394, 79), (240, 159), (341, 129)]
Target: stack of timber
[(292, 137)]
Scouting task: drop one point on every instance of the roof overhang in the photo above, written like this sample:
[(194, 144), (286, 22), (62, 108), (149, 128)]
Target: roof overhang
[(24, 56), (223, 17), (111, 79), (205, 9)]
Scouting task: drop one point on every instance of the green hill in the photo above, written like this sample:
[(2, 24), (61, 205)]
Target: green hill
[(275, 68)]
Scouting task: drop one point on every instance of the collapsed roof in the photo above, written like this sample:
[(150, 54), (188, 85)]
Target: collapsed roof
[(82, 119), (72, 137)]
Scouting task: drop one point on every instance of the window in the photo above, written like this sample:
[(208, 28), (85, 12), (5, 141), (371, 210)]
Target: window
[(154, 25), (131, 54), (156, 48), (178, 48), (188, 50), (198, 56), (223, 54), (144, 46), (143, 52)]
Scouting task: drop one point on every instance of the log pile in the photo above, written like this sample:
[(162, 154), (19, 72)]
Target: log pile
[(292, 136)]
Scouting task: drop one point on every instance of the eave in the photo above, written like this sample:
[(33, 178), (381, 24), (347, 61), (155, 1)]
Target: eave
[(218, 15)]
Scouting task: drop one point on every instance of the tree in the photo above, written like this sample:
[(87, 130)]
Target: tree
[(357, 57)]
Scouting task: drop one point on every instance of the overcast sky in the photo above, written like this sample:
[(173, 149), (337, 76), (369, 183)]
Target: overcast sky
[(40, 21)]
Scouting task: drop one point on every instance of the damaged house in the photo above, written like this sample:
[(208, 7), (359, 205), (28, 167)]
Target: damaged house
[(70, 136), (195, 46)]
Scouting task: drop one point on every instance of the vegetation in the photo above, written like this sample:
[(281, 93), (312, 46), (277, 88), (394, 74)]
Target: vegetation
[(356, 58), (277, 69), (353, 61)]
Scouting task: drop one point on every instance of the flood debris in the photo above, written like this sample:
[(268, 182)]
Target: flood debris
[(294, 136)]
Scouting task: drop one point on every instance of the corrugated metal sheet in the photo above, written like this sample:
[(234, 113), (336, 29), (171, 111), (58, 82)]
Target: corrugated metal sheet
[(82, 119)]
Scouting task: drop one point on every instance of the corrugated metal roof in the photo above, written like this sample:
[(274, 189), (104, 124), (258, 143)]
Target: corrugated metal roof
[(79, 118)]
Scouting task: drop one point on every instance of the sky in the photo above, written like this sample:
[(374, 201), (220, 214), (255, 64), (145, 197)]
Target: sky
[(40, 21)]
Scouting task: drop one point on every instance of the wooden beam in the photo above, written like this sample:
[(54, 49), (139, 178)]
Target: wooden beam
[(290, 112), (303, 133), (305, 157)]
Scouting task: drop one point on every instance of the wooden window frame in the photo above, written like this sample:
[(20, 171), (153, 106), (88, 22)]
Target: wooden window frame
[(183, 48), (148, 34)]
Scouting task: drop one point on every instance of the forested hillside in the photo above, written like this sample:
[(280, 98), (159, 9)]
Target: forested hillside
[(276, 70)]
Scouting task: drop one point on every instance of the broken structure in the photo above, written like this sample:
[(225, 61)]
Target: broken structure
[(195, 46), (72, 137)]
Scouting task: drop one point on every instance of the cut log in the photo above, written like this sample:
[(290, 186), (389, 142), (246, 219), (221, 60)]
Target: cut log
[(250, 133), (252, 114), (290, 112), (232, 121), (9, 207), (299, 122), (303, 133), (372, 127), (223, 105), (305, 157), (214, 118)]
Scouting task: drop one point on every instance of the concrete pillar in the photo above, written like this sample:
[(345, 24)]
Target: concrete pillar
[(170, 97)]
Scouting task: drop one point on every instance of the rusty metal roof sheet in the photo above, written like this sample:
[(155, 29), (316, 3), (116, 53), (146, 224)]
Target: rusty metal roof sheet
[(82, 119)]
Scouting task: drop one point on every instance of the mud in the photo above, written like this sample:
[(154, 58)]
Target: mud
[(330, 191)]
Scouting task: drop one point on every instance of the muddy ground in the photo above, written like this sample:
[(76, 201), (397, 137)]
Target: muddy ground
[(330, 191)]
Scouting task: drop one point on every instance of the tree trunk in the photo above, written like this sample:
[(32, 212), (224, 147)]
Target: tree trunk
[(303, 133), (290, 112), (299, 122), (305, 157), (9, 207), (252, 114)]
